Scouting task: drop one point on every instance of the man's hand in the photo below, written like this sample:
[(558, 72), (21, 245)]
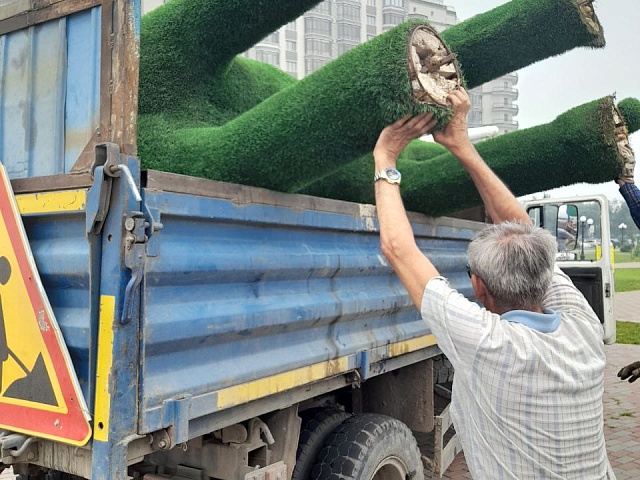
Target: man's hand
[(631, 371), (455, 133), (394, 138)]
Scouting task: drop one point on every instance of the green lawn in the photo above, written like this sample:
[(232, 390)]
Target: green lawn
[(627, 279), (628, 332), (624, 257)]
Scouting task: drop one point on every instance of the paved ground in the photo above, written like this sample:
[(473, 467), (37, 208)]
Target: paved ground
[(628, 265), (627, 304)]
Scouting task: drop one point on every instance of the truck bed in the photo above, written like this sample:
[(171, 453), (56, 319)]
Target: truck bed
[(247, 294)]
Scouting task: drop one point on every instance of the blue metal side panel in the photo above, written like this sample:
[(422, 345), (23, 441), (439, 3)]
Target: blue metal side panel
[(63, 257), (237, 293), (82, 110), (49, 96)]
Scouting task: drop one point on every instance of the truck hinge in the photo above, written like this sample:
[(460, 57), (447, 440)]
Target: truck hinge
[(134, 259), (107, 166), (607, 290), (13, 445), (176, 413)]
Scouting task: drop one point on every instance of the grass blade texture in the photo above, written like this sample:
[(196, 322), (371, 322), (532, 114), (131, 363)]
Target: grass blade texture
[(353, 182), (488, 46), (185, 43), (312, 128), (578, 146), (520, 33), (306, 130)]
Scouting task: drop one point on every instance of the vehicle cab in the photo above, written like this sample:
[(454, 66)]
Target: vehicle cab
[(585, 253)]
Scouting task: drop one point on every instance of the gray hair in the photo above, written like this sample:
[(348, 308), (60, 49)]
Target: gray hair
[(515, 262)]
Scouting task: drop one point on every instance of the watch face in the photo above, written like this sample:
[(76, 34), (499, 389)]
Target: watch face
[(392, 174)]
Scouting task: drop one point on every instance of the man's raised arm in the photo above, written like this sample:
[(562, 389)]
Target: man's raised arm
[(396, 236), (500, 203)]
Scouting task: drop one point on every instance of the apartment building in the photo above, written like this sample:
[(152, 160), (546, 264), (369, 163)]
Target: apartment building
[(493, 104)]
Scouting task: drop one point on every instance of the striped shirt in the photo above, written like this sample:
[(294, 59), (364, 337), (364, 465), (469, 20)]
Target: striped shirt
[(631, 195), (527, 389)]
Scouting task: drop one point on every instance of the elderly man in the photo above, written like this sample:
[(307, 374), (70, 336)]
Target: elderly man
[(527, 393)]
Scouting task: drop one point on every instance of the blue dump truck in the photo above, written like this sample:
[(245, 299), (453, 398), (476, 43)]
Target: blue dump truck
[(158, 326)]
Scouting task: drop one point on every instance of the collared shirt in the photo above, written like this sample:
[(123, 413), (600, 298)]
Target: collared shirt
[(631, 195), (527, 392)]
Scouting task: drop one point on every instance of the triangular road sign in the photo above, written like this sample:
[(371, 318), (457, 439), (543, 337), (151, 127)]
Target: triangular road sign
[(39, 392)]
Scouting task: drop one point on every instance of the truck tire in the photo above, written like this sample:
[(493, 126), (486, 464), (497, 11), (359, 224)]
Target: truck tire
[(48, 475), (315, 429), (370, 447), (442, 370)]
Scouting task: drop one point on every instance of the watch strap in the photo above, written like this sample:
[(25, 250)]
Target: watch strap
[(384, 175)]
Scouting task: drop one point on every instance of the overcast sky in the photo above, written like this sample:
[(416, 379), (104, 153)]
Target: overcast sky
[(553, 86)]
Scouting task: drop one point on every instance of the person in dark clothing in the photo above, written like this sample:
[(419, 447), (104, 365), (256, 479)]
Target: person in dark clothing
[(631, 194)]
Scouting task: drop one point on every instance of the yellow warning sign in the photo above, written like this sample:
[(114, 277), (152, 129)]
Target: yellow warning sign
[(39, 393)]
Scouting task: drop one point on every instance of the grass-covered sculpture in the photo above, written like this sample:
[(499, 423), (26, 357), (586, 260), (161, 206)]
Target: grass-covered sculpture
[(585, 144), (581, 145), (312, 127), (520, 33), (188, 48)]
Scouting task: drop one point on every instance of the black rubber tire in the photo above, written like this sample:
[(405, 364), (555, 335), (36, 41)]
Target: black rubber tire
[(369, 447), (39, 476), (50, 475), (314, 430), (442, 370)]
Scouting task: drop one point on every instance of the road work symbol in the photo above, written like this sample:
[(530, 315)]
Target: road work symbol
[(39, 392), (34, 385)]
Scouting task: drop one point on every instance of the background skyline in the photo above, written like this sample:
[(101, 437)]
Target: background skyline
[(553, 86)]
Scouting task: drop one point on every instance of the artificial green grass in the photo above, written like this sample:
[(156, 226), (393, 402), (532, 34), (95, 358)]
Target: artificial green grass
[(357, 176), (418, 150), (186, 44), (627, 279), (578, 146), (308, 129), (243, 85), (631, 113), (516, 34), (192, 119), (628, 333)]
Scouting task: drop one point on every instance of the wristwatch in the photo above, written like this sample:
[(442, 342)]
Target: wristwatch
[(389, 174)]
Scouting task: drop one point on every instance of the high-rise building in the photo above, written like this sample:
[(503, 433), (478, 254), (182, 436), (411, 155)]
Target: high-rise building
[(335, 26), (492, 104)]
